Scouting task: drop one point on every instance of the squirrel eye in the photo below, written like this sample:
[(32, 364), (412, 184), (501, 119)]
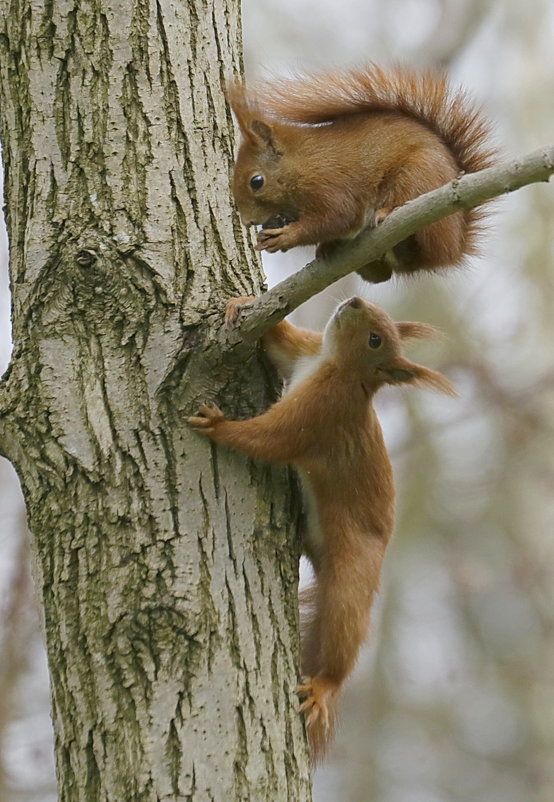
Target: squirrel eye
[(257, 181), (375, 340)]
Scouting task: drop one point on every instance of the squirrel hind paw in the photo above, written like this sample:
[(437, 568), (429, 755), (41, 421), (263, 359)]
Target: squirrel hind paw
[(233, 306), (316, 694), (381, 215)]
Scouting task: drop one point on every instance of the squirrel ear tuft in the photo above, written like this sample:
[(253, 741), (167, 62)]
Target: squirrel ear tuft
[(256, 131), (265, 135), (402, 371), (433, 380), (411, 330), (242, 109)]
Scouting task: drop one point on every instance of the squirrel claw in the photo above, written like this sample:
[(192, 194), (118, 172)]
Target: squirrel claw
[(207, 417), (382, 214), (315, 692), (233, 307), (274, 239)]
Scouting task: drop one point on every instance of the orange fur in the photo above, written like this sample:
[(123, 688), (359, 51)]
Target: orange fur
[(339, 151), (325, 426)]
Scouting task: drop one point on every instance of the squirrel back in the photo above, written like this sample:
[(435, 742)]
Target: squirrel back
[(324, 156)]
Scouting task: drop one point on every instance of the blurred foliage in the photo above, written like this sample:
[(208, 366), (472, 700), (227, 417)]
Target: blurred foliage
[(453, 700)]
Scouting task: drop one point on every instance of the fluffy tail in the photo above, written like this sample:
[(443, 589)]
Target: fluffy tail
[(423, 96)]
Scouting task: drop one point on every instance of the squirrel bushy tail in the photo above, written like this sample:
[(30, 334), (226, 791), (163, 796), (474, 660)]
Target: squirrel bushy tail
[(423, 96)]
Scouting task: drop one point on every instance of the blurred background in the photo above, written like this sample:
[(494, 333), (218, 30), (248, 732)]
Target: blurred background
[(453, 699)]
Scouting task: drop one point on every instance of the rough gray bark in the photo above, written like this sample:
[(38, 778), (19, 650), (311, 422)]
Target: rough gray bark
[(167, 568)]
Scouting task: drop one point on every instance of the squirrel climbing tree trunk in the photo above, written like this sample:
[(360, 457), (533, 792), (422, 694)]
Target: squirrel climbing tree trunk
[(167, 568)]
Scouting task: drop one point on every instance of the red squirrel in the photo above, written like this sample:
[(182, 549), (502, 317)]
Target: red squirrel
[(322, 158), (326, 427)]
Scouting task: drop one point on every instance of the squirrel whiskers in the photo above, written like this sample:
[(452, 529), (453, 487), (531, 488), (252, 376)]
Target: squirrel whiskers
[(326, 427)]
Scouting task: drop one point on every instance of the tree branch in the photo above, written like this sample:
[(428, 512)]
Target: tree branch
[(462, 193)]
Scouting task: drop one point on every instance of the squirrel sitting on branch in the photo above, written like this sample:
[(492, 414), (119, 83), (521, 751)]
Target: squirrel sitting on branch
[(326, 156)]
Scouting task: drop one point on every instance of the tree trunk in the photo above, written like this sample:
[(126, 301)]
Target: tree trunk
[(167, 567)]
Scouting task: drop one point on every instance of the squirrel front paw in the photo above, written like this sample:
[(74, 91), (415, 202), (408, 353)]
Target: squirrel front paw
[(316, 694), (207, 419), (276, 239)]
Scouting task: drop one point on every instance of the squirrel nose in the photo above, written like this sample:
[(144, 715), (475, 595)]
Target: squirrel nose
[(355, 302)]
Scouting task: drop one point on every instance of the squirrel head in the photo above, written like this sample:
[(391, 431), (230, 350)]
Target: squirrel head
[(362, 338), (264, 182)]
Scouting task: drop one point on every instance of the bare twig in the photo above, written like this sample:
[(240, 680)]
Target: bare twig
[(463, 193)]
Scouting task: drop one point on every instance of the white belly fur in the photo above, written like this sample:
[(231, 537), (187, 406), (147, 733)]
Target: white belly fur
[(303, 367)]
